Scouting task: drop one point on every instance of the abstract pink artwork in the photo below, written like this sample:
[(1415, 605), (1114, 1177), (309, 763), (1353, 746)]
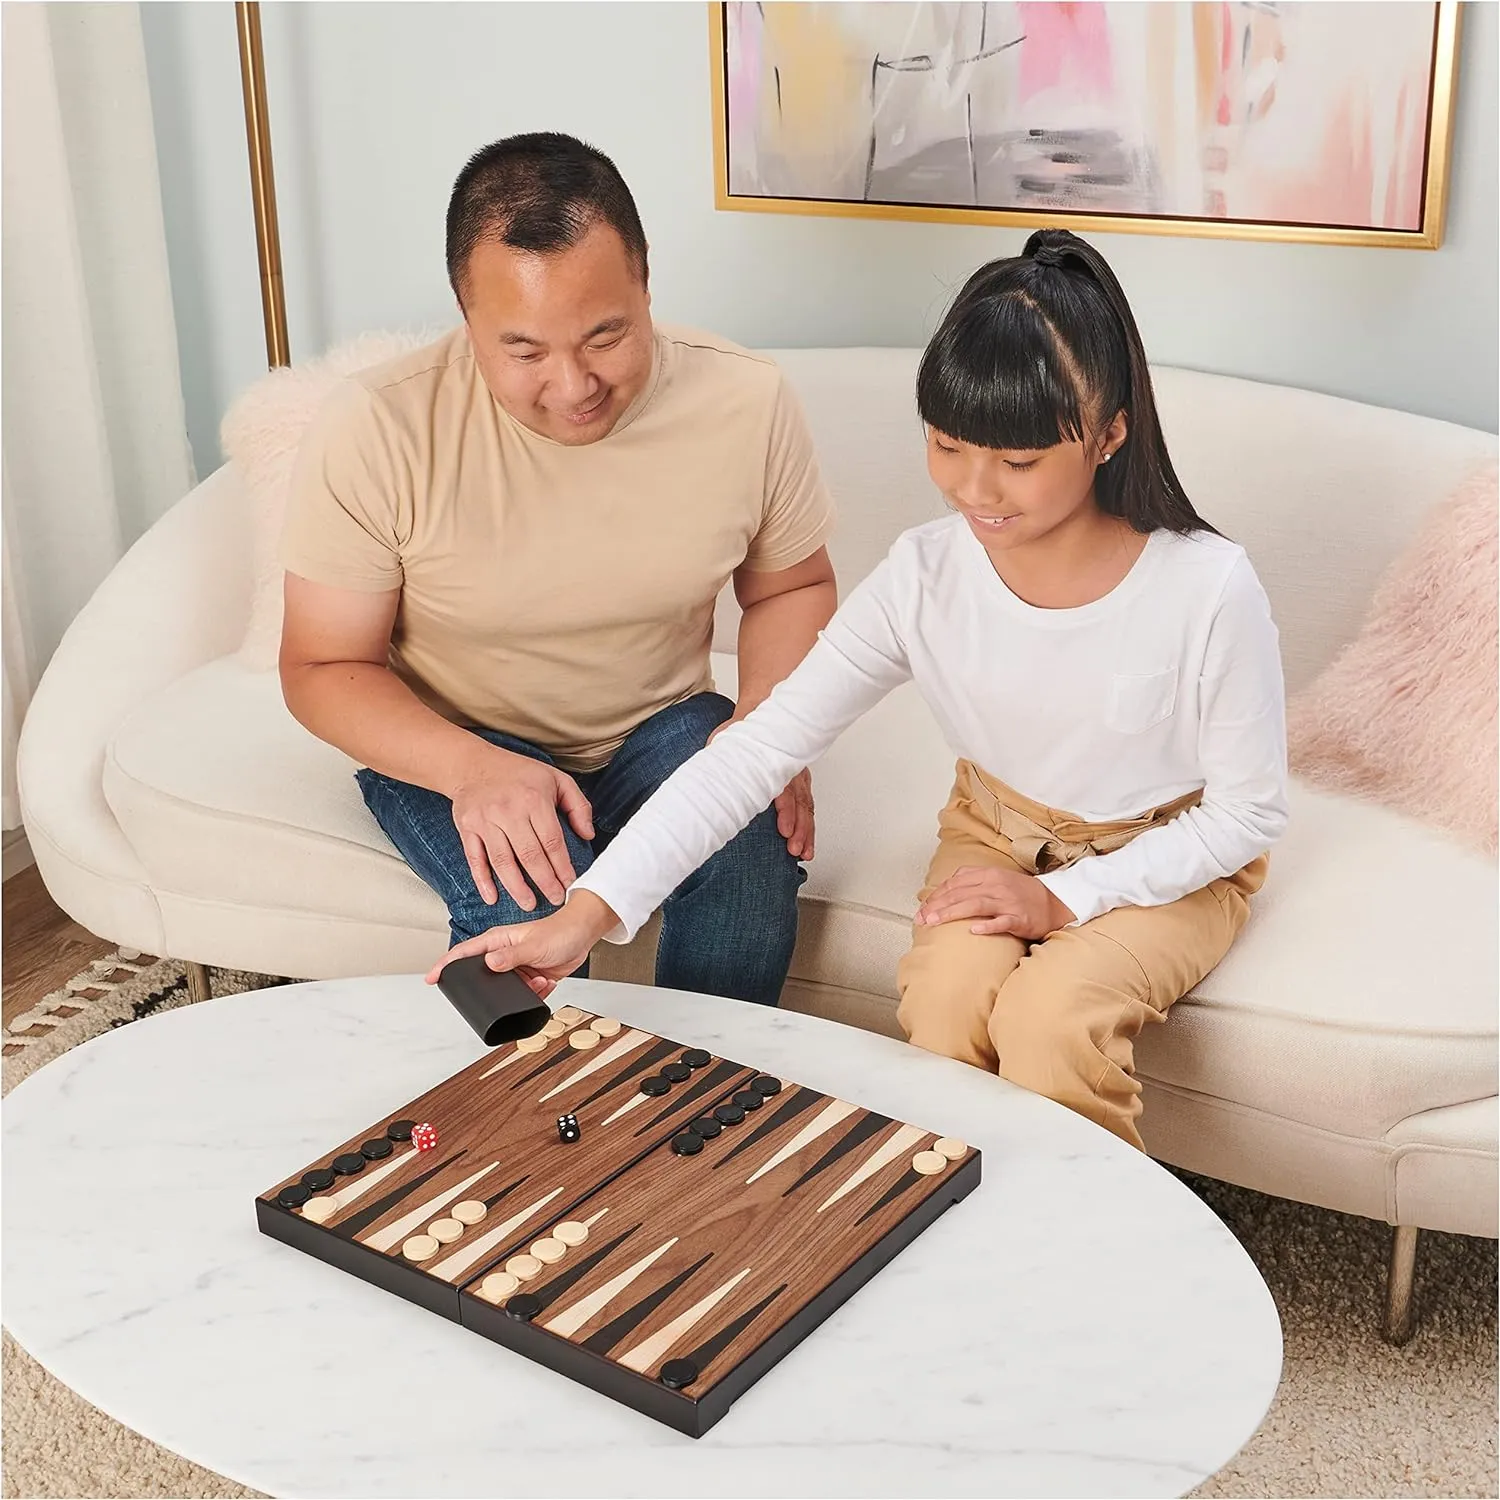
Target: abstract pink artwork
[(1312, 114)]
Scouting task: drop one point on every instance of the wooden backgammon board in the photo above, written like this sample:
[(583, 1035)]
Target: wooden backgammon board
[(658, 1223)]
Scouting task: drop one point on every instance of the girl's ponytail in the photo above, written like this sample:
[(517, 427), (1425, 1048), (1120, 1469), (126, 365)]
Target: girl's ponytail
[(1140, 486)]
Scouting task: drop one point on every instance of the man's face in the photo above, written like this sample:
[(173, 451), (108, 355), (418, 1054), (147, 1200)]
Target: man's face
[(563, 341)]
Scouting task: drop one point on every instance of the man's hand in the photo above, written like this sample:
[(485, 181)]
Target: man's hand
[(506, 815), (794, 815), (1004, 901), (794, 807), (541, 952)]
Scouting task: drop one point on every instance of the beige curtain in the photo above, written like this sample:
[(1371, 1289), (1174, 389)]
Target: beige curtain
[(94, 437)]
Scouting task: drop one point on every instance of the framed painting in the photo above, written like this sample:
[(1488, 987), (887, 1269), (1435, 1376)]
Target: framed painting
[(1306, 120)]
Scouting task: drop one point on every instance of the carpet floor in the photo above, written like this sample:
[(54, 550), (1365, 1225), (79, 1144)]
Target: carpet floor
[(1353, 1417)]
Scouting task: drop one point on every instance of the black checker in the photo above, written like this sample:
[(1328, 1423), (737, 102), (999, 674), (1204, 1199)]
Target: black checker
[(677, 1373)]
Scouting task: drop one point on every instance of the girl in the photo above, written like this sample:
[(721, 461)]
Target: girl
[(1102, 662)]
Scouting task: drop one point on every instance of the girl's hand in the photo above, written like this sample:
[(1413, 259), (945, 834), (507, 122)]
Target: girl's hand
[(1005, 901), (542, 952)]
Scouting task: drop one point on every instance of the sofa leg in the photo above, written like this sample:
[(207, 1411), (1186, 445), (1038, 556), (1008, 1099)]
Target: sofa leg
[(197, 978), (1399, 1322)]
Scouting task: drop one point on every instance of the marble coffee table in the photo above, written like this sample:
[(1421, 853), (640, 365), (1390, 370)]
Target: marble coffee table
[(1079, 1325)]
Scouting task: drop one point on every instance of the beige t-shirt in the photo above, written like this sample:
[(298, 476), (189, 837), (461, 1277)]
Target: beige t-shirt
[(560, 594)]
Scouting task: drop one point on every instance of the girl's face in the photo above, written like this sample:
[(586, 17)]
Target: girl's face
[(1013, 496)]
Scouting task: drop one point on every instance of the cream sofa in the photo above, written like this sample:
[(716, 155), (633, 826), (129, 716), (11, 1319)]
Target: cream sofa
[(1344, 1054)]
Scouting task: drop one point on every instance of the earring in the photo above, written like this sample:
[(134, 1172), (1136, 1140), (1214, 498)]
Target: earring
[(1107, 457)]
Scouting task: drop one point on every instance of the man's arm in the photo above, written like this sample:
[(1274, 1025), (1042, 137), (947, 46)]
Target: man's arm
[(783, 612), (334, 677), (782, 615), (337, 684)]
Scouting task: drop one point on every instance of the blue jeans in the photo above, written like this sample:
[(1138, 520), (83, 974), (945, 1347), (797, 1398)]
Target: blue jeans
[(728, 929)]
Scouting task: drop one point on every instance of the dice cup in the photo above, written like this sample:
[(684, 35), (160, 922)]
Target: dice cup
[(500, 1007)]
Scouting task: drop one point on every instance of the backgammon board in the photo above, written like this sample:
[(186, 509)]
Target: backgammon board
[(653, 1221)]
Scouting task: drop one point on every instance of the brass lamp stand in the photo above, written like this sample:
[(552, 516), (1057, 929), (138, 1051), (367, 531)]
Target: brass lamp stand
[(268, 244), (262, 180)]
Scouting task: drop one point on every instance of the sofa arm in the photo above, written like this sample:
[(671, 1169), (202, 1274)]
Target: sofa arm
[(178, 598)]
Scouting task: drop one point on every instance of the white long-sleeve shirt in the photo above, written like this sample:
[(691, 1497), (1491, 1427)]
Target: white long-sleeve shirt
[(1169, 683)]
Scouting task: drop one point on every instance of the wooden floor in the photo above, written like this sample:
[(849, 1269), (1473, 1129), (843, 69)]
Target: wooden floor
[(41, 947)]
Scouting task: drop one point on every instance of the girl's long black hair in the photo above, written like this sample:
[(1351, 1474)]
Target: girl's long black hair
[(1042, 348)]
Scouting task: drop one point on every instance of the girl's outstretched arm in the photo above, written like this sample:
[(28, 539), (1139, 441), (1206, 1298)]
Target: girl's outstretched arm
[(857, 660)]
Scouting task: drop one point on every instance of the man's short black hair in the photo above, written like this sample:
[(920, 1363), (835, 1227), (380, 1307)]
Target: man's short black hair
[(541, 192)]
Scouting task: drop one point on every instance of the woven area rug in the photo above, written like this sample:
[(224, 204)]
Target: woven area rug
[(1353, 1417)]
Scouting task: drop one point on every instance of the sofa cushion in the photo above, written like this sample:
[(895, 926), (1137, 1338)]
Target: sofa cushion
[(225, 797), (1361, 993), (1381, 933)]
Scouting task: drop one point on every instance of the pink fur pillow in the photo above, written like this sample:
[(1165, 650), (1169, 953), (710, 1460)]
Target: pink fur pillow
[(1405, 714), (260, 434)]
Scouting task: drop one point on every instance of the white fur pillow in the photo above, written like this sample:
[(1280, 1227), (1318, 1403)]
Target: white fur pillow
[(260, 434)]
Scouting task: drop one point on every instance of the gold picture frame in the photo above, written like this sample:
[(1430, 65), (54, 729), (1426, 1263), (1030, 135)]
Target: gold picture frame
[(1433, 197)]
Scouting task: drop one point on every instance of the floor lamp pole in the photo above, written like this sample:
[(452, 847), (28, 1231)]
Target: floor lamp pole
[(262, 181), (268, 243)]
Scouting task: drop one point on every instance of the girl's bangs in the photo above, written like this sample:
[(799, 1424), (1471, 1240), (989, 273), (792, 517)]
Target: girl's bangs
[(992, 377)]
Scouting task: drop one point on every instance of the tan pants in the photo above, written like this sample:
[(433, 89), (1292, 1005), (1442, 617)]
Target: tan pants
[(1059, 1016)]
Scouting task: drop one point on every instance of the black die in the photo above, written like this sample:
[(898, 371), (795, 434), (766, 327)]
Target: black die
[(567, 1128)]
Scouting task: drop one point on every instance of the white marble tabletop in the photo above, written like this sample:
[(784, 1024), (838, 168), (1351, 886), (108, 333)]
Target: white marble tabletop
[(1079, 1325)]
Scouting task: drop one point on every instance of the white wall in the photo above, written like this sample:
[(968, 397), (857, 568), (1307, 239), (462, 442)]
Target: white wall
[(375, 107)]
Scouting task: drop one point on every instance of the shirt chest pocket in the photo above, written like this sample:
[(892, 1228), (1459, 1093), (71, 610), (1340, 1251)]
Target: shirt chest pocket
[(1139, 701)]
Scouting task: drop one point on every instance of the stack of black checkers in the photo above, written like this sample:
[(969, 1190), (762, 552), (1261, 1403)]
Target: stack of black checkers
[(690, 1142), (320, 1179), (657, 1084)]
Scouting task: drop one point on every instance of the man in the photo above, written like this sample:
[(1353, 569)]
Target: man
[(502, 557)]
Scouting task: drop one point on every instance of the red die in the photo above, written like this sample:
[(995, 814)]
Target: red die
[(424, 1136)]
